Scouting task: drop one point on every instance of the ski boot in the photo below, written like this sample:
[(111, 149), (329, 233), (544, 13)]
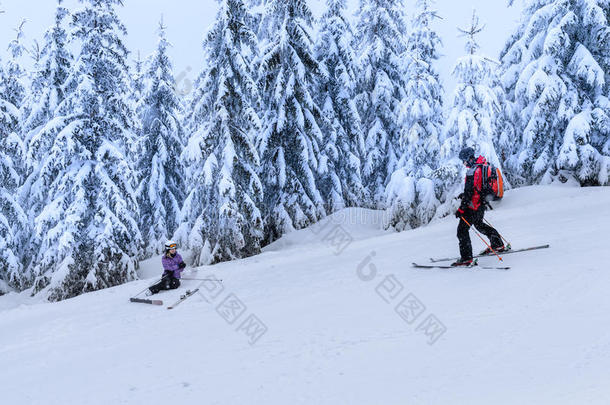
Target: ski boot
[(463, 263), (489, 251)]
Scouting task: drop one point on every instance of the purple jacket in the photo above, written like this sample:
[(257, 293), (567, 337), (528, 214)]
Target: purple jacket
[(171, 264)]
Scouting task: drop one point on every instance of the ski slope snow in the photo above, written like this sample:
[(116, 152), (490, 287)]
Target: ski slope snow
[(334, 314)]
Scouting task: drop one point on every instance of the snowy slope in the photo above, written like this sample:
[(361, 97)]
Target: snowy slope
[(537, 333)]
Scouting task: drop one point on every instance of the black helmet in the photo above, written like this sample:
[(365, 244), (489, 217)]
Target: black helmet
[(466, 154)]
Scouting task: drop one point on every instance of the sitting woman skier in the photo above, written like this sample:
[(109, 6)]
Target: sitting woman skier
[(173, 265)]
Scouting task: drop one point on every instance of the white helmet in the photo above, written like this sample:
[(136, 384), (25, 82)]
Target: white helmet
[(170, 244)]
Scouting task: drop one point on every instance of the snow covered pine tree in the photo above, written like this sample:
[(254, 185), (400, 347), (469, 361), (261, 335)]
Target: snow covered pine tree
[(555, 70), (472, 120), (160, 171), (291, 138), (380, 42), (343, 144), (411, 192), (13, 221), (88, 226), (221, 217), (45, 94)]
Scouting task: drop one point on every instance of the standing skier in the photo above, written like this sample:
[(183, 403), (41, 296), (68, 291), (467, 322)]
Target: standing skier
[(173, 265), (472, 209)]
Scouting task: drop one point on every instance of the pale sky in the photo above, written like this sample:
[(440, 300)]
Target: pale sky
[(187, 22)]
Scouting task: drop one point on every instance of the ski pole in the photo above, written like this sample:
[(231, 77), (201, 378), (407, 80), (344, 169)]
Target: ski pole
[(488, 223), (148, 287), (480, 237), (201, 279)]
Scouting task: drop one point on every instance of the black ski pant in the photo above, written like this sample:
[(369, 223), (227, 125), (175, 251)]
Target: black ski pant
[(475, 218), (168, 282)]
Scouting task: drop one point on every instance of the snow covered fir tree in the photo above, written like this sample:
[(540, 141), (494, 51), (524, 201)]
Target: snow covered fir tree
[(472, 119), (504, 138), (555, 72), (291, 119), (290, 141), (13, 221), (343, 142), (411, 192), (137, 78), (136, 100), (381, 43), (88, 228), (46, 93), (159, 171), (222, 215)]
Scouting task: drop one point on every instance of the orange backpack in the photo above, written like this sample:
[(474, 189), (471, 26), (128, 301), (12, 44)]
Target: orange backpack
[(493, 184)]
